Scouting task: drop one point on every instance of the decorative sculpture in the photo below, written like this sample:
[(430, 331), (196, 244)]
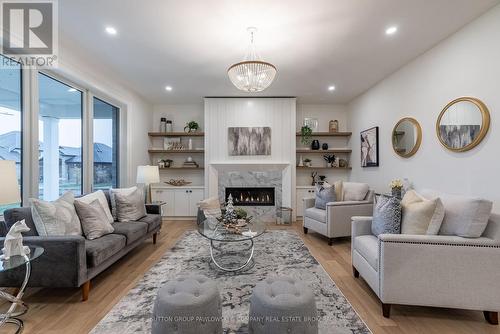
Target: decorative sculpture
[(13, 244)]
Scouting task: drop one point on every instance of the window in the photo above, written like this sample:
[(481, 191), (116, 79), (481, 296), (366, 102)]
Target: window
[(60, 137), (106, 129), (11, 118)]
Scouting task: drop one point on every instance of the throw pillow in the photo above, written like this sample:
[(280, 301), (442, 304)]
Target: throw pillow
[(420, 215), (101, 197), (324, 194), (339, 190), (113, 192), (130, 207), (354, 191), (56, 218), (464, 216), (386, 216), (210, 207), (95, 222)]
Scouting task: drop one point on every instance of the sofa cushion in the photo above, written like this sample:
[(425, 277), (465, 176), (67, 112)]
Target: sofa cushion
[(153, 221), (14, 215), (367, 247), (56, 218), (132, 230), (325, 193), (95, 222), (112, 192), (101, 249), (130, 207), (316, 214), (339, 190), (464, 216), (101, 197), (421, 215), (386, 216), (354, 191)]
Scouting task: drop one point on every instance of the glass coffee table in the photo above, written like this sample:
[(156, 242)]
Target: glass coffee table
[(5, 265), (236, 245)]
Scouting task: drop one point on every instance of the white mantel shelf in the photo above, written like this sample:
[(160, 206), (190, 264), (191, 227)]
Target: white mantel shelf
[(249, 163)]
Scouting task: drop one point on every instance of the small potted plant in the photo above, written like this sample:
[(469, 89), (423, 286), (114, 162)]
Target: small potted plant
[(305, 135), (168, 163), (307, 162), (330, 160), (396, 186), (191, 127)]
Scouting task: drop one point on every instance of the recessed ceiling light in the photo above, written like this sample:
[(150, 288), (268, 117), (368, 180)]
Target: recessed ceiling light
[(111, 30), (331, 88), (168, 88), (391, 30)]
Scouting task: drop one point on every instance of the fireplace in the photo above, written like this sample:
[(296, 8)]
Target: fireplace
[(251, 196)]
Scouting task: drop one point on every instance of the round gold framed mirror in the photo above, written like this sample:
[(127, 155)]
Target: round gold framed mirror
[(463, 124), (406, 137)]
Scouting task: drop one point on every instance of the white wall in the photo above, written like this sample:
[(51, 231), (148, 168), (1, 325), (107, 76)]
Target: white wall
[(137, 112), (465, 64)]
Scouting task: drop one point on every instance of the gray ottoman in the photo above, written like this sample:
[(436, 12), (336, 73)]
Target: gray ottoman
[(188, 305), (282, 305)]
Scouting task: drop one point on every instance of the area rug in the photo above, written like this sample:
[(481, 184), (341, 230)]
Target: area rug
[(276, 253)]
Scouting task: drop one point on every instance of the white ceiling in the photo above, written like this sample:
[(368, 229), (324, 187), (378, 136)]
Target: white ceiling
[(189, 44)]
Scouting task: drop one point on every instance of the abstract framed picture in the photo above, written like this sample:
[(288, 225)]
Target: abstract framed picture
[(249, 141), (369, 147)]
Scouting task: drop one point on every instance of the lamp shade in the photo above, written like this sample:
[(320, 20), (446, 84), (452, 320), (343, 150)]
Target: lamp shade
[(9, 193), (148, 174)]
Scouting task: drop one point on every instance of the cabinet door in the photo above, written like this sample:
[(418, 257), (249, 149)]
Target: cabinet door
[(167, 196), (195, 196), (181, 202), (300, 195)]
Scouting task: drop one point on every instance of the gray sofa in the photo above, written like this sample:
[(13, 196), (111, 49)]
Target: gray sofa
[(72, 261)]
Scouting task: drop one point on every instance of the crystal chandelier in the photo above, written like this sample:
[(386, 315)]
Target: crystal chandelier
[(252, 74)]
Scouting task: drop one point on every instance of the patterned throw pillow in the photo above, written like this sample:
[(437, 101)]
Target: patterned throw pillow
[(386, 216), (56, 218), (324, 194)]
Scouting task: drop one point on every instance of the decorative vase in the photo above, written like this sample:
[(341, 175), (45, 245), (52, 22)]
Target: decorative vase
[(324, 146), (301, 162), (315, 144), (396, 192), (190, 144), (334, 126)]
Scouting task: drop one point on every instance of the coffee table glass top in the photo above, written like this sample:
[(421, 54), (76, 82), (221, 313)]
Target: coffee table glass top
[(18, 260), (214, 230)]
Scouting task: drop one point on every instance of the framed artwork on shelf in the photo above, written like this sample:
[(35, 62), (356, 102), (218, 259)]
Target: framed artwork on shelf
[(369, 148)]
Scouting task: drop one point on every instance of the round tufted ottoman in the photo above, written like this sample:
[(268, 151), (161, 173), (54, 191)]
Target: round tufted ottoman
[(188, 305), (282, 305)]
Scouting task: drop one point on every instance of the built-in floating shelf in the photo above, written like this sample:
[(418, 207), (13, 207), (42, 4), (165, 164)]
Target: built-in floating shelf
[(328, 134), (333, 150), (182, 168), (175, 151), (176, 134), (333, 168)]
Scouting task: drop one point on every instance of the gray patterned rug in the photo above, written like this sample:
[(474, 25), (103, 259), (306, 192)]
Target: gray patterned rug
[(276, 253)]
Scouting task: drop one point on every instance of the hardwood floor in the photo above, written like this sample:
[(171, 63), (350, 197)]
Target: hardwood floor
[(61, 311)]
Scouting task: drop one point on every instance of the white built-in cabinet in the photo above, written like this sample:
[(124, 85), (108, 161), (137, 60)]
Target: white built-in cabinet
[(180, 202), (301, 193)]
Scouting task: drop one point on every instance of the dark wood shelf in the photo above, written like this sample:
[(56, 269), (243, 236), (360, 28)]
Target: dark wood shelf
[(333, 150), (328, 134), (175, 151), (176, 134), (313, 167)]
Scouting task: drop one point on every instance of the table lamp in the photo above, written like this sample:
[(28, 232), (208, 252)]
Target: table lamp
[(9, 193), (147, 175)]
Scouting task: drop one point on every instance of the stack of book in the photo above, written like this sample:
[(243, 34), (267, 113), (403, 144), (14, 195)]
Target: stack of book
[(190, 164)]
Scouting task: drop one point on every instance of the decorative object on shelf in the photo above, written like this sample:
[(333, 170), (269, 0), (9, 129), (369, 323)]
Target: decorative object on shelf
[(249, 141), (161, 164), (315, 145), (307, 162), (463, 124), (284, 216), (165, 163), (169, 126), (301, 161), (172, 143), (178, 182), (322, 179), (190, 143), (396, 186), (191, 126), (163, 124), (333, 126), (369, 148), (312, 123), (324, 146), (305, 135), (330, 159), (343, 163), (252, 74), (313, 176), (406, 137), (190, 163), (147, 175), (13, 243)]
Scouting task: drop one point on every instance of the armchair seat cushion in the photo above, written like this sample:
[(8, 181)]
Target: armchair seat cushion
[(131, 230), (153, 221), (316, 214), (367, 247), (101, 249)]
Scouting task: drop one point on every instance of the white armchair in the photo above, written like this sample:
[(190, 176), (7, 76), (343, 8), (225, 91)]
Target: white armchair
[(335, 221), (430, 270)]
